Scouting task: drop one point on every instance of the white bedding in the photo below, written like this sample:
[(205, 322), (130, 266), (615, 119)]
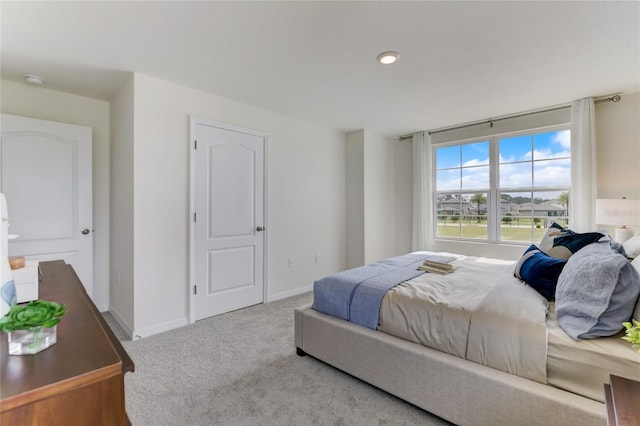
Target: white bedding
[(584, 366), (480, 312)]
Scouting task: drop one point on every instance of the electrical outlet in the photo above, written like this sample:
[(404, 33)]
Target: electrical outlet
[(317, 258), (290, 263)]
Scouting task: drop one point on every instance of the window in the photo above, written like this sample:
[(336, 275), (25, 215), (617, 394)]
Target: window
[(503, 187)]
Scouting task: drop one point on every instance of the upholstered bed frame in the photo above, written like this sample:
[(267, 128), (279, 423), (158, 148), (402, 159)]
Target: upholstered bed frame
[(460, 391)]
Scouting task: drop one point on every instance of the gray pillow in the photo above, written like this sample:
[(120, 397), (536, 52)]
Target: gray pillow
[(636, 312), (596, 292), (632, 247)]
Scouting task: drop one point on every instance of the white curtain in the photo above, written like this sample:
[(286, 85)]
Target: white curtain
[(583, 166), (422, 226)]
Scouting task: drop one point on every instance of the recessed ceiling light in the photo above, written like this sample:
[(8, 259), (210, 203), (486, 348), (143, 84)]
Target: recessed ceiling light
[(388, 58), (33, 79)]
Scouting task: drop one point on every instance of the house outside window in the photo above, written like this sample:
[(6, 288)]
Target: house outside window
[(502, 188)]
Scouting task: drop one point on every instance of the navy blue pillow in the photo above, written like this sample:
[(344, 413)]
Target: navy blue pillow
[(540, 271)]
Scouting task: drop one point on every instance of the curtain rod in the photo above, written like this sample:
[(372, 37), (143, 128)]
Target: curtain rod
[(610, 98)]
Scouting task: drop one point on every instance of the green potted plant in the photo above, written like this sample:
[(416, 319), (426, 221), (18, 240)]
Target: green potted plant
[(632, 333), (31, 327)]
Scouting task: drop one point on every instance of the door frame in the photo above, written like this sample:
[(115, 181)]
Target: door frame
[(193, 123)]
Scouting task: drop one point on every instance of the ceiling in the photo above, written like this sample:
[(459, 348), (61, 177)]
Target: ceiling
[(316, 60)]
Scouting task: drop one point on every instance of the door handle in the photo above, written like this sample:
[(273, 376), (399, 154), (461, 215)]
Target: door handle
[(260, 228), (85, 231)]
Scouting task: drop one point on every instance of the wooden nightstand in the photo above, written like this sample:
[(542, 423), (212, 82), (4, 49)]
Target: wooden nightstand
[(622, 399)]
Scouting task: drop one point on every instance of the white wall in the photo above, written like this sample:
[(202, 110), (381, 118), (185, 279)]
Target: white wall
[(148, 273), (41, 103), (370, 197), (403, 188), (354, 182), (121, 294), (379, 197), (618, 149), (305, 188), (618, 169)]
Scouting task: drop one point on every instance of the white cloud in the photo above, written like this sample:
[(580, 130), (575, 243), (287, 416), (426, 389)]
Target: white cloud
[(546, 173), (515, 175), (556, 173), (541, 154), (564, 139), (448, 180), (526, 156), (476, 162), (475, 178)]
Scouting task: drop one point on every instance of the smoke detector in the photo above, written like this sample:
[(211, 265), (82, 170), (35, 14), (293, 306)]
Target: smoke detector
[(33, 79)]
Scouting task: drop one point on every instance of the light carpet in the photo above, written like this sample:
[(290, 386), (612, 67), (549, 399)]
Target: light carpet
[(241, 368)]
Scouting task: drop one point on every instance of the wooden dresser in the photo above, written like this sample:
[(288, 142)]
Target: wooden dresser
[(622, 399), (77, 381)]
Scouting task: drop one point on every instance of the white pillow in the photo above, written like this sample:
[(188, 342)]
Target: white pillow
[(632, 247), (636, 311)]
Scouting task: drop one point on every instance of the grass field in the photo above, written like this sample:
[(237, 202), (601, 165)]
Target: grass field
[(479, 230)]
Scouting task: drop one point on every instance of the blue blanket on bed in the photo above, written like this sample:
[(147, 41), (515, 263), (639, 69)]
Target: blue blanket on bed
[(356, 294)]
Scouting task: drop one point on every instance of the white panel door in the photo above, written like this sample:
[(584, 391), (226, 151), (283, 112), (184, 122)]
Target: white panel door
[(228, 189), (46, 175)]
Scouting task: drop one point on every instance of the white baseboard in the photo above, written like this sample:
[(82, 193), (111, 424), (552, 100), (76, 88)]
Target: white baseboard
[(121, 322), (103, 308), (181, 322), (159, 328), (289, 293)]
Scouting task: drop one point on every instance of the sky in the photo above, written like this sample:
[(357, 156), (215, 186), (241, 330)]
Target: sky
[(526, 161)]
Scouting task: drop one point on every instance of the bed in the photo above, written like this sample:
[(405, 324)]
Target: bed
[(461, 359)]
